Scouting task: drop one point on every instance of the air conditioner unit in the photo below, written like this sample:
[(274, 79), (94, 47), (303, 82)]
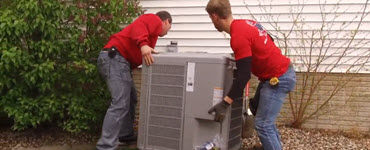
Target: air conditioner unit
[(176, 93)]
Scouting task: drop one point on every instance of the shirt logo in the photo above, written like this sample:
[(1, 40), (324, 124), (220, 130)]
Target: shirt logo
[(262, 32)]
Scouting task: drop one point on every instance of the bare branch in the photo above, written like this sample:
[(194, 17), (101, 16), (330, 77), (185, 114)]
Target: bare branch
[(353, 37)]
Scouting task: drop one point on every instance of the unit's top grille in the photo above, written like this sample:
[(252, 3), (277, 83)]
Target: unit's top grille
[(168, 70)]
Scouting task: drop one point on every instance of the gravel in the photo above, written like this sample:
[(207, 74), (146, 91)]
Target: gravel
[(293, 139), (296, 139)]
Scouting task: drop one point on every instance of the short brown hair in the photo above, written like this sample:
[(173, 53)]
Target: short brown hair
[(164, 15), (222, 8)]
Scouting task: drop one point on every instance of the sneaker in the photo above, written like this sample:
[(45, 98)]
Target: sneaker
[(129, 138)]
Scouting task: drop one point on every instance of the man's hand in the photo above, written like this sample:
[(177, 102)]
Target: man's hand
[(220, 110), (147, 51)]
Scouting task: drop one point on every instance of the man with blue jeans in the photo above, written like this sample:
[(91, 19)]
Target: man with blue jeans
[(255, 52), (271, 99), (125, 51)]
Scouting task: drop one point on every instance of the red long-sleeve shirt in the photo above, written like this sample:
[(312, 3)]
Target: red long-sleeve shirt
[(143, 31)]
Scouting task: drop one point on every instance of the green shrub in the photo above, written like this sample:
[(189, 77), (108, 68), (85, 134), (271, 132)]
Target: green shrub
[(48, 53)]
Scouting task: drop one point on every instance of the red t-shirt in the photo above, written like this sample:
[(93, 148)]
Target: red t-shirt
[(143, 31), (248, 38)]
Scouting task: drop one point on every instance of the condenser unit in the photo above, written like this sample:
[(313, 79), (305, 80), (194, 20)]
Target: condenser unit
[(176, 93)]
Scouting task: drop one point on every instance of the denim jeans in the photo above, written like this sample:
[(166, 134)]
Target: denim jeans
[(271, 99), (120, 116)]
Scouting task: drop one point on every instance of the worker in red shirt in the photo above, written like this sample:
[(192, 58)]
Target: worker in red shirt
[(254, 52), (125, 51)]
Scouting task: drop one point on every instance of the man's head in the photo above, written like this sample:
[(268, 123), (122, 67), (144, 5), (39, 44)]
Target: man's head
[(166, 20), (219, 11)]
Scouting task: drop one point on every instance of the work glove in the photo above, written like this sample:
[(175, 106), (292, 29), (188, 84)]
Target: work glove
[(220, 110)]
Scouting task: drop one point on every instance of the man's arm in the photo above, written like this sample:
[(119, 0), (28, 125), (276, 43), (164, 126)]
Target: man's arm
[(243, 55), (243, 74), (140, 35)]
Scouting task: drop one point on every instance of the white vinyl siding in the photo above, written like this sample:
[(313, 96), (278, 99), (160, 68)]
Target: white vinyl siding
[(194, 31)]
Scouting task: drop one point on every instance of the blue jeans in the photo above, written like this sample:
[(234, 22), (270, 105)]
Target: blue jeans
[(120, 116), (270, 102)]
